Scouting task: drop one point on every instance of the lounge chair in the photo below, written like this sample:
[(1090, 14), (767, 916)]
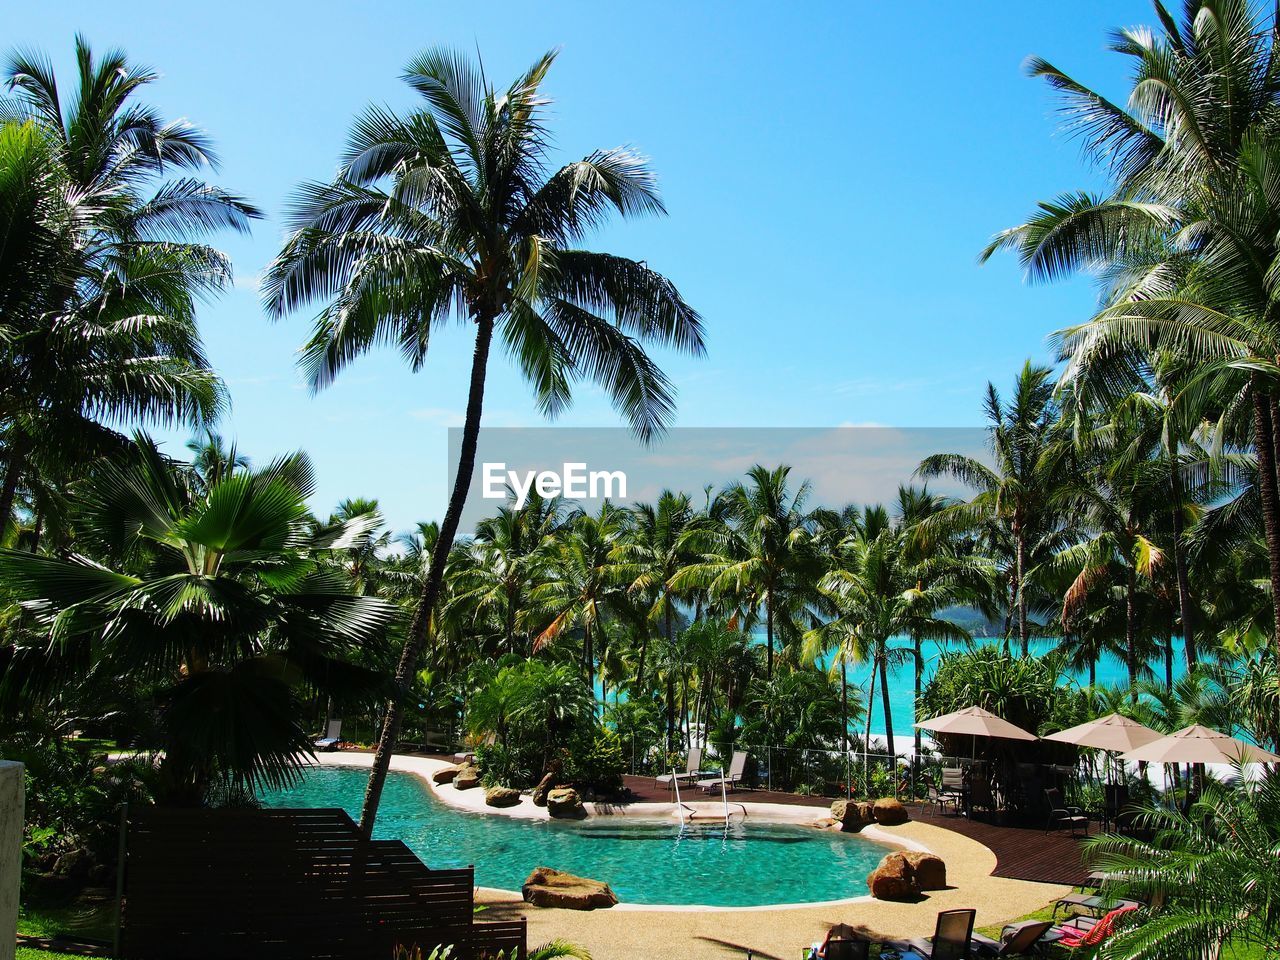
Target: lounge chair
[(1061, 815), (951, 940), (1088, 932), (1016, 940), (737, 767), (332, 736), (691, 771)]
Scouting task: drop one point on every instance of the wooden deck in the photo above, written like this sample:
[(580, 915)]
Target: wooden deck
[(1022, 853)]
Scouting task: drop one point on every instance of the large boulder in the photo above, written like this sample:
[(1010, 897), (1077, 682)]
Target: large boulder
[(894, 879), (445, 774), (501, 797), (890, 812), (545, 786), (853, 815), (552, 888), (930, 871), (468, 776), (564, 803)]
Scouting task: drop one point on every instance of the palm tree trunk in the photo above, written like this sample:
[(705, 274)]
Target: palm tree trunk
[(1263, 428), (885, 700), (1186, 609), (418, 627), (1131, 628), (844, 701), (12, 474), (919, 668), (1024, 633), (768, 619)]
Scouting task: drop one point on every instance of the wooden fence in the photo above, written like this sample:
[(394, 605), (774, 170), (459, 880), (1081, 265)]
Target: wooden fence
[(286, 884)]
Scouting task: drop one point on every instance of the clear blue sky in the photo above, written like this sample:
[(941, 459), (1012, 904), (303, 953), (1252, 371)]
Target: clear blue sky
[(831, 171)]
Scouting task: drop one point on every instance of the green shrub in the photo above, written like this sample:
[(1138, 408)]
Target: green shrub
[(507, 766), (596, 761)]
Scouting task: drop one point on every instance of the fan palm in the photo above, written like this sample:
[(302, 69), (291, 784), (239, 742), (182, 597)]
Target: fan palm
[(450, 212), (218, 598), (107, 330)]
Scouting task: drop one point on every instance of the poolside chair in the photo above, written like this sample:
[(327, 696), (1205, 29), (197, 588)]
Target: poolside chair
[(842, 943), (332, 736), (1061, 815), (981, 795), (1115, 807), (941, 799), (737, 767), (952, 938), (1088, 932), (1016, 940), (691, 773)]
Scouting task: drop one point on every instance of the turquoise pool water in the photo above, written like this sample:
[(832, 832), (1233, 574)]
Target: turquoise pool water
[(644, 861)]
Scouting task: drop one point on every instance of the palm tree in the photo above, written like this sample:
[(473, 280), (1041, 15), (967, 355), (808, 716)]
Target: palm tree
[(449, 212), (762, 558), (212, 459), (219, 599), (656, 545), (1209, 874), (107, 330), (582, 585), (1188, 232), (1015, 494)]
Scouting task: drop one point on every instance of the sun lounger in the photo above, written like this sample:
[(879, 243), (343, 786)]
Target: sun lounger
[(1016, 940), (691, 771), (332, 736), (1091, 903), (1088, 932), (737, 767), (951, 938)]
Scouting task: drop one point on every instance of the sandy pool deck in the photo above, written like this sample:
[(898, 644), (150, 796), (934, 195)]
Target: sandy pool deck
[(684, 933)]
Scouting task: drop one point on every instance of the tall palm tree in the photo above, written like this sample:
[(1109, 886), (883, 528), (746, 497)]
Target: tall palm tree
[(656, 545), (451, 212), (218, 598), (762, 559), (1187, 234), (582, 585), (109, 331), (1015, 495)]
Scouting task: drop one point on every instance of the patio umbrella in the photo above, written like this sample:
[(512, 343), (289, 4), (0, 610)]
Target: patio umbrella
[(1197, 744), (977, 723), (1113, 733)]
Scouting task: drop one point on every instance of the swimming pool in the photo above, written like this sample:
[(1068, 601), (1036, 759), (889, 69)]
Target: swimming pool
[(645, 861)]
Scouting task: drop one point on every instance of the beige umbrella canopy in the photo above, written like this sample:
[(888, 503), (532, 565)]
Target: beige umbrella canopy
[(976, 722), (1113, 732), (1197, 744)]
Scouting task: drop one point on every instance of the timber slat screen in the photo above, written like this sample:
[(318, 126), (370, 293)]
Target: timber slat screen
[(285, 884)]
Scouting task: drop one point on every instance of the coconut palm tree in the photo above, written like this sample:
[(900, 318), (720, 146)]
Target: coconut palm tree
[(1015, 495), (108, 326), (451, 212), (656, 545), (762, 559), (220, 599), (1187, 233)]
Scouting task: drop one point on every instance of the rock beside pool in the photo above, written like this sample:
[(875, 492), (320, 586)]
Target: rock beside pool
[(890, 812), (853, 815), (930, 871), (445, 774), (544, 786), (552, 888), (894, 879), (501, 797), (468, 776), (564, 803)]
